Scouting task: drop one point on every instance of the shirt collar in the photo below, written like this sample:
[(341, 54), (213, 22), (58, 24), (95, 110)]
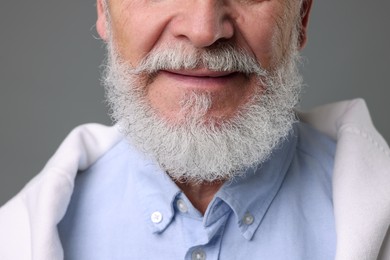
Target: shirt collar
[(248, 196), (156, 192)]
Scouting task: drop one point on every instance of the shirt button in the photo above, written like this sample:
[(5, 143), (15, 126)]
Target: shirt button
[(181, 205), (156, 217), (198, 254), (248, 219)]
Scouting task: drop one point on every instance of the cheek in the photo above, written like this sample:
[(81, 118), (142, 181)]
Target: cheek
[(263, 44), (136, 31), (261, 33)]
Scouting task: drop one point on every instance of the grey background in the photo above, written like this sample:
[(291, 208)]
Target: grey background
[(49, 73)]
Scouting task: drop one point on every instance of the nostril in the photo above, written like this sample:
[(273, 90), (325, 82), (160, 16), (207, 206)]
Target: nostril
[(203, 25)]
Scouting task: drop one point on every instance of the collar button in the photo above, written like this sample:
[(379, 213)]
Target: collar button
[(181, 205), (198, 254), (248, 219)]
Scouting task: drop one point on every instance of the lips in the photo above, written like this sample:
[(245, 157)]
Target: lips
[(201, 79), (202, 73)]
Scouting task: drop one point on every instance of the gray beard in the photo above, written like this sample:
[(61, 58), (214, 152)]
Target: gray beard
[(198, 148)]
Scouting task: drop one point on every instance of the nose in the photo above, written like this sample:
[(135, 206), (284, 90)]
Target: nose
[(203, 22)]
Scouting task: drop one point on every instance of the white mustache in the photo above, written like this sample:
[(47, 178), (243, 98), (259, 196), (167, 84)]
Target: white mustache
[(221, 57)]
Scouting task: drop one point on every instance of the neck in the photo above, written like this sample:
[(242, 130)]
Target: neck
[(200, 194)]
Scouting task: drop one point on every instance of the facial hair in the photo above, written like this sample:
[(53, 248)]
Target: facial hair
[(200, 148)]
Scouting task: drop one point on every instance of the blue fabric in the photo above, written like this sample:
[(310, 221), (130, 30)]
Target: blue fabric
[(280, 210)]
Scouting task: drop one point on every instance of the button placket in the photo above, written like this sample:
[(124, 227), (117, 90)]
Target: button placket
[(156, 217)]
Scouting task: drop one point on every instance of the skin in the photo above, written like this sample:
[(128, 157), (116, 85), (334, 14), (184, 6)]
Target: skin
[(261, 27)]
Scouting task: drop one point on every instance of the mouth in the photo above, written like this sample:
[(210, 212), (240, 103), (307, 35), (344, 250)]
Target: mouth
[(203, 80), (202, 73)]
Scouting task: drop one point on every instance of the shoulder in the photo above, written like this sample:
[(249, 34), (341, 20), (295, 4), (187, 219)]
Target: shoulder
[(40, 205), (332, 119), (314, 143), (314, 159), (83, 146), (361, 195)]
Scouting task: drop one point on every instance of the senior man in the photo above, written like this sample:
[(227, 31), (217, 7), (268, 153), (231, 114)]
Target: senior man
[(209, 159)]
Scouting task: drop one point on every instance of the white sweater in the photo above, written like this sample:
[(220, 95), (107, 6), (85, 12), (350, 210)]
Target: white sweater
[(361, 187)]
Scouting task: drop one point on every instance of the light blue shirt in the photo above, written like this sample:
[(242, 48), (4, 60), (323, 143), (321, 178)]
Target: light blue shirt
[(125, 207)]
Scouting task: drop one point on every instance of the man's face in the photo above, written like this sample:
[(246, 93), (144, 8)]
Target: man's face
[(206, 88), (262, 28)]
